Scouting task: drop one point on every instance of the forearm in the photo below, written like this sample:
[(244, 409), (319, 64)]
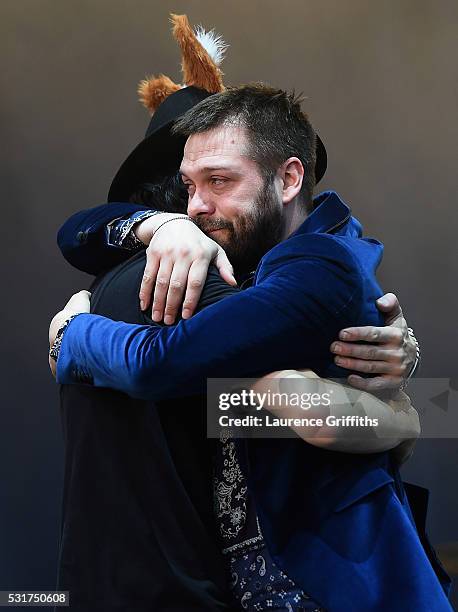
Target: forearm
[(374, 425), (82, 239), (144, 231), (247, 334)]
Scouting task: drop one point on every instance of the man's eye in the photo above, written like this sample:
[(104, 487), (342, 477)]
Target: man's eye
[(217, 181)]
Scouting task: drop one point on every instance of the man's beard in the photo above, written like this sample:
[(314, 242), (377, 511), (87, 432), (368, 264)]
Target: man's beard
[(250, 236)]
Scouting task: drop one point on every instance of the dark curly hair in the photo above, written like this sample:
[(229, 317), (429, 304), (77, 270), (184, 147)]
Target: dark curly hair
[(167, 194)]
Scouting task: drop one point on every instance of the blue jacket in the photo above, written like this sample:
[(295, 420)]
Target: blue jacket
[(338, 524)]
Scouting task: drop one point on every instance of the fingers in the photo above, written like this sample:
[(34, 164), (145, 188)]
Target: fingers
[(386, 357), (390, 306), (370, 333), (170, 283), (177, 266), (371, 367), (149, 279), (78, 298), (372, 352), (175, 292), (161, 289), (82, 295), (388, 301), (79, 303), (374, 385), (196, 279), (225, 268)]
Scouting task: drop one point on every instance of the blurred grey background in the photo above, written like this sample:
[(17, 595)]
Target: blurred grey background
[(381, 86)]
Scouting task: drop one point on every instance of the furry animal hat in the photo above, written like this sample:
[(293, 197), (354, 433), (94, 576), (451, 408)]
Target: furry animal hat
[(160, 152)]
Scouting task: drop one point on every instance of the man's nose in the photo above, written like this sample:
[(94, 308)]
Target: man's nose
[(199, 204)]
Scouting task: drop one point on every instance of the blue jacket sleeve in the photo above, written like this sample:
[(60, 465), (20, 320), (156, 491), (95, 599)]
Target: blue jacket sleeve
[(82, 238), (288, 319)]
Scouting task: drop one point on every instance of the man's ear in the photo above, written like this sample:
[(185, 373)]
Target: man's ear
[(291, 173)]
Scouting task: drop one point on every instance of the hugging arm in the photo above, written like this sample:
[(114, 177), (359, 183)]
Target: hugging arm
[(397, 421), (83, 238), (388, 353), (391, 354), (290, 316), (176, 261)]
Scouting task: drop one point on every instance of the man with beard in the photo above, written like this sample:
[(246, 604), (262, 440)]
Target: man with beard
[(116, 535), (309, 504), (137, 494)]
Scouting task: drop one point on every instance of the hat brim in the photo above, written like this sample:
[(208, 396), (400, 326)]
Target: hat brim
[(157, 156), (160, 155), (321, 160)]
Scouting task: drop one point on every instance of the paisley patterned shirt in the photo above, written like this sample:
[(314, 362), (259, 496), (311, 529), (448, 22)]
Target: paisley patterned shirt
[(256, 582)]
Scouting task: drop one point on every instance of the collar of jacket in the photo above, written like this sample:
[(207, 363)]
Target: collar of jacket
[(330, 215)]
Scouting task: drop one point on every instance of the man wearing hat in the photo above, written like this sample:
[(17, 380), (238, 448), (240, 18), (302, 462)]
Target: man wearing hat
[(95, 240), (84, 367)]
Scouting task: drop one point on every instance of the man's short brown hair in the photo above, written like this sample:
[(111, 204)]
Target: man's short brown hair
[(276, 126)]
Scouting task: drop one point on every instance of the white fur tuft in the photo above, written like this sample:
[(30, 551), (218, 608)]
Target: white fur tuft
[(213, 44)]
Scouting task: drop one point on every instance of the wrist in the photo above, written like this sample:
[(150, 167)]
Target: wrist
[(416, 361), (145, 230), (56, 323), (121, 232), (62, 321)]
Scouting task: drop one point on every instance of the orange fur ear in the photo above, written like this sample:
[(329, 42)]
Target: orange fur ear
[(154, 90), (197, 65)]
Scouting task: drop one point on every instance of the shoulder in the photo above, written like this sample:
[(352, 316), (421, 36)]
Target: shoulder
[(324, 249), (215, 289)]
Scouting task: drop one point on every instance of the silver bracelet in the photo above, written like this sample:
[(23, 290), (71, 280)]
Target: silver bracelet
[(416, 362), (172, 219)]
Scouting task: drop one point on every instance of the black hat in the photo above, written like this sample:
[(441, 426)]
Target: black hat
[(161, 152), (321, 160)]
